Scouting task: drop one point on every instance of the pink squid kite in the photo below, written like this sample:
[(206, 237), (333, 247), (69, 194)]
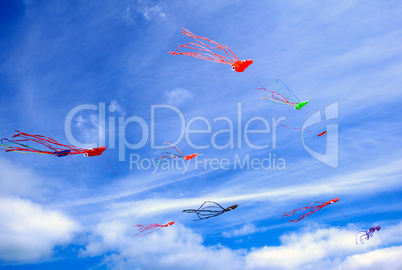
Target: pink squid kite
[(145, 229), (20, 145), (173, 155), (312, 208), (205, 52)]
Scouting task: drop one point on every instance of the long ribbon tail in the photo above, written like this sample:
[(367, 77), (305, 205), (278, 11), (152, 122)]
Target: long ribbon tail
[(46, 141), (59, 149), (171, 155), (302, 215), (174, 147), (277, 98), (151, 231), (148, 228), (207, 53), (357, 235), (277, 83), (297, 128), (208, 216), (290, 213), (190, 211), (361, 238), (27, 149), (204, 213)]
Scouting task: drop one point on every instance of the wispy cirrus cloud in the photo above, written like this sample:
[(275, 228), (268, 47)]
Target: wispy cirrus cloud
[(178, 96), (114, 106), (147, 11), (346, 184), (150, 12), (245, 230)]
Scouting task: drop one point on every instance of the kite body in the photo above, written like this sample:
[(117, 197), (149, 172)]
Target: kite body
[(367, 234), (145, 229), (92, 152), (241, 65), (207, 49), (312, 207), (210, 209), (299, 105), (189, 157), (23, 140)]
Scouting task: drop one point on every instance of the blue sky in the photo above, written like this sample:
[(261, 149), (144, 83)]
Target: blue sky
[(99, 72)]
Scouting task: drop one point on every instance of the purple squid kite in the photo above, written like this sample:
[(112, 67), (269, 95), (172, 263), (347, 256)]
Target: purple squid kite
[(367, 234)]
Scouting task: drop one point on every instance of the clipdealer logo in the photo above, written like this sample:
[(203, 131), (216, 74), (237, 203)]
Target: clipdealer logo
[(116, 129), (270, 162), (242, 132), (331, 156)]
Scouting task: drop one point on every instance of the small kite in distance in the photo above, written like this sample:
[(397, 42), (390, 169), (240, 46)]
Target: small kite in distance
[(205, 52), (319, 135), (173, 155), (210, 209), (368, 234), (283, 98), (145, 229), (312, 208), (55, 148)]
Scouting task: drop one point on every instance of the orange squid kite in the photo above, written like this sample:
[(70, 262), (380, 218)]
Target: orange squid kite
[(205, 52)]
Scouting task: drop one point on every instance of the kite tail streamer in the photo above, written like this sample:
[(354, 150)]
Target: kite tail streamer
[(48, 142), (319, 135), (173, 155), (20, 144), (312, 208), (207, 53), (145, 229), (282, 98), (277, 84), (204, 51)]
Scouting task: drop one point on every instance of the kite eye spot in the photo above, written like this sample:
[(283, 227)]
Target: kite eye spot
[(90, 149), (233, 68), (85, 154)]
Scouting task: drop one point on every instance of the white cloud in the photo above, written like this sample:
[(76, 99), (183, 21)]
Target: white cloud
[(178, 247), (29, 232), (114, 106), (18, 180), (178, 96), (126, 15), (152, 11), (149, 12), (90, 128), (80, 121), (245, 230), (386, 258), (326, 248), (174, 247)]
